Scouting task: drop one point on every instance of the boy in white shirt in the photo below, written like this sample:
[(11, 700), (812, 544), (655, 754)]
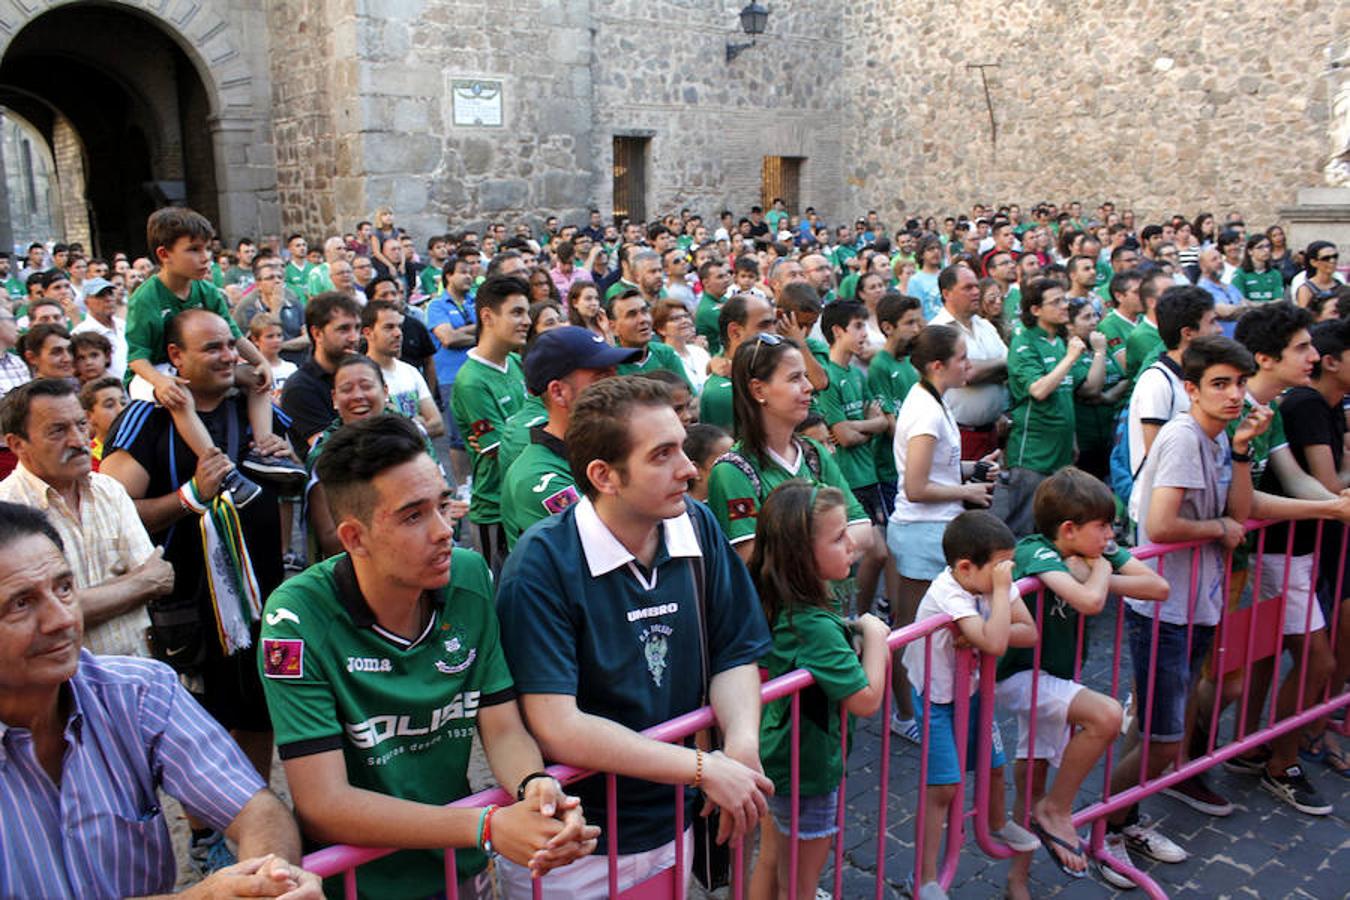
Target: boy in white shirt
[(977, 591)]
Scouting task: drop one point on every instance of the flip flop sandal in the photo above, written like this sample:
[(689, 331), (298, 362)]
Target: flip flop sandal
[(1047, 839), (1312, 749), (1336, 761)]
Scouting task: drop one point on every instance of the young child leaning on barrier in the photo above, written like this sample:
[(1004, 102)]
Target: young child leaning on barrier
[(976, 589), (1073, 554), (808, 634)]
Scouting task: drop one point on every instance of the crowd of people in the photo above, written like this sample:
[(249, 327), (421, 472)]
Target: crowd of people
[(359, 505)]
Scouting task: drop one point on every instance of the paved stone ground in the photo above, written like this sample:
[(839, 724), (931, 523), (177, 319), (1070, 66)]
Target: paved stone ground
[(1265, 849)]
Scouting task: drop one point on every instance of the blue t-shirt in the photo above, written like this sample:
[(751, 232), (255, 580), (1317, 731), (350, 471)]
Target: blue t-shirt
[(444, 311), (578, 617), (923, 286)]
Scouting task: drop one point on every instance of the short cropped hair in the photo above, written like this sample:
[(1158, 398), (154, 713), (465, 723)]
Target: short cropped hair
[(355, 454), (1071, 495), (165, 226), (1214, 350), (494, 292), (1182, 306), (18, 521), (90, 339), (598, 428), (840, 314), (89, 392), (975, 535), (17, 403)]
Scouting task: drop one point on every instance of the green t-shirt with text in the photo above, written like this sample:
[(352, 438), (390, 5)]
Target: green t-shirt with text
[(484, 397), (516, 431), (1260, 287), (537, 485), (1037, 440)]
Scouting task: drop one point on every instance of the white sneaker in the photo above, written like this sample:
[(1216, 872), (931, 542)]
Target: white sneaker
[(1144, 837), (1018, 838), (909, 729), (1115, 847)]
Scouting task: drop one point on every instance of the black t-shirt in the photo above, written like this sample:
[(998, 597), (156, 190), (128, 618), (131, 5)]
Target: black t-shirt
[(147, 432), (417, 343), (307, 399), (1308, 422)]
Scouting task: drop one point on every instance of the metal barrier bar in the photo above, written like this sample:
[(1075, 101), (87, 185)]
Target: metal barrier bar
[(344, 860)]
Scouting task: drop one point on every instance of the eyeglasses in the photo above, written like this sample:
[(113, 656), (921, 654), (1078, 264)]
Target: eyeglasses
[(764, 337)]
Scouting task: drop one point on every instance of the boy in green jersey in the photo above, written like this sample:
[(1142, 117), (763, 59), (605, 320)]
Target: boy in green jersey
[(740, 319), (1120, 319), (178, 238), (561, 363), (488, 389), (379, 667), (298, 267), (716, 280), (1077, 562), (890, 376), (856, 420)]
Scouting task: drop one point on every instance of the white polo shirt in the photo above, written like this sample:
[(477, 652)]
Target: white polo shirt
[(981, 404)]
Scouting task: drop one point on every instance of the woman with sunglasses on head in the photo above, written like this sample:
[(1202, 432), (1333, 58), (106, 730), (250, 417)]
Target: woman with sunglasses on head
[(1319, 278), (1256, 278), (771, 396)]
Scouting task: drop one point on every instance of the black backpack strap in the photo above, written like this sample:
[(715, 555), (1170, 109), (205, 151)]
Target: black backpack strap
[(731, 457), (812, 456)]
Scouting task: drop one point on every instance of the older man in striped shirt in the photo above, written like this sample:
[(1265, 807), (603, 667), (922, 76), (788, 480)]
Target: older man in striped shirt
[(86, 742)]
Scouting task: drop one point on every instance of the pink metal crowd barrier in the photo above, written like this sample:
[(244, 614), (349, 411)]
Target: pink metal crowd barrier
[(1243, 636)]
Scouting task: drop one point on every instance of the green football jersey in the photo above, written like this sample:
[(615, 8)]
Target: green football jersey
[(714, 404), (888, 381), (706, 318), (318, 281), (1260, 287), (1142, 347), (403, 712), (658, 356), (153, 304), (429, 280), (845, 400), (516, 431), (483, 399), (297, 278), (537, 485), (1037, 440), (1117, 329)]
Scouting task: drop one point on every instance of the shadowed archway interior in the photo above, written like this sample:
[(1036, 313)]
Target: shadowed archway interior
[(137, 105)]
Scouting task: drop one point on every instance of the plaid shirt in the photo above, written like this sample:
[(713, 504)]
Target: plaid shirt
[(104, 533), (13, 372)]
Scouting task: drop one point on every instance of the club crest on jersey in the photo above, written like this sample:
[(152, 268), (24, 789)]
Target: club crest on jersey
[(655, 650), (740, 508), (283, 658), (560, 501), (457, 657)]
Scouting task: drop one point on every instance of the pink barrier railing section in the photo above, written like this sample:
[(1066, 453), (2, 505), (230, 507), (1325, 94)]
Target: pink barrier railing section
[(1242, 636)]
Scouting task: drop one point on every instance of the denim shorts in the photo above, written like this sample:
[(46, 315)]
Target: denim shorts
[(1177, 671), (916, 548), (817, 818), (943, 762)]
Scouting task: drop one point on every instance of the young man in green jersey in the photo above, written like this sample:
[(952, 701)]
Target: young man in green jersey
[(379, 667), (298, 267), (631, 316), (561, 363), (740, 319), (429, 279), (606, 610), (1144, 343), (890, 376), (855, 419), (1124, 313), (715, 278), (488, 389)]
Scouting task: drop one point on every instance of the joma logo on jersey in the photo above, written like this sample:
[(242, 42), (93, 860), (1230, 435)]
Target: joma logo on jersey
[(368, 664), (378, 729)]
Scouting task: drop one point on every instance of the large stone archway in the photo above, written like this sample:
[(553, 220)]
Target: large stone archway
[(170, 104)]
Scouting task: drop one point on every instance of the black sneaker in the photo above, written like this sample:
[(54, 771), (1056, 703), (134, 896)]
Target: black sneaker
[(241, 489), (1294, 788), (277, 469), (1196, 793), (1254, 764)]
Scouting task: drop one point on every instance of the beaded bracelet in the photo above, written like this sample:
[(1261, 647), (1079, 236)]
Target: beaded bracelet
[(482, 824), (487, 829), (698, 767)]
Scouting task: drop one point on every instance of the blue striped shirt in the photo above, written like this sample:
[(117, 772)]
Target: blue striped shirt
[(100, 832)]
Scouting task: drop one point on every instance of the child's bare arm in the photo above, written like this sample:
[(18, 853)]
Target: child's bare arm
[(1139, 581), (991, 635), (1087, 597), (874, 656), (1023, 631)]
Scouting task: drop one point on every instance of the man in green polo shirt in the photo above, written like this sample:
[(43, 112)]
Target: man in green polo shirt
[(1124, 313), (489, 387), (631, 317), (715, 278), (606, 610), (741, 318), (561, 363), (380, 664), (429, 279), (1144, 344), (298, 267)]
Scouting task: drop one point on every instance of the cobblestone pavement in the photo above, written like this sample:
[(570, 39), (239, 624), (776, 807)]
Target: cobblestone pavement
[(1265, 849)]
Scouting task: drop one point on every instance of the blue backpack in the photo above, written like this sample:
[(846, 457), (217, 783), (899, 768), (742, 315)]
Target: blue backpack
[(1121, 476)]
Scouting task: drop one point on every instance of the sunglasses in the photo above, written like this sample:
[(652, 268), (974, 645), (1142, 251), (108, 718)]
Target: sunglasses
[(760, 340), (1332, 258)]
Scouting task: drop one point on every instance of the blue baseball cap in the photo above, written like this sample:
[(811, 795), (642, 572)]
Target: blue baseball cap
[(560, 351)]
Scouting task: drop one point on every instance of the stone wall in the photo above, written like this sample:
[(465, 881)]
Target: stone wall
[(1159, 106)]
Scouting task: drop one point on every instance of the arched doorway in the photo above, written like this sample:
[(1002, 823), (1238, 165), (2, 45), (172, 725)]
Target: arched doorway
[(138, 110)]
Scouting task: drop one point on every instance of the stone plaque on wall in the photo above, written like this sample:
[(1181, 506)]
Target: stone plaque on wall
[(476, 102)]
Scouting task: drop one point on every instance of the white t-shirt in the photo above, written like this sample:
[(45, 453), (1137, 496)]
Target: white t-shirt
[(982, 404), (921, 414), (281, 370), (407, 388), (1158, 397), (945, 595), (695, 360), (117, 336)]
